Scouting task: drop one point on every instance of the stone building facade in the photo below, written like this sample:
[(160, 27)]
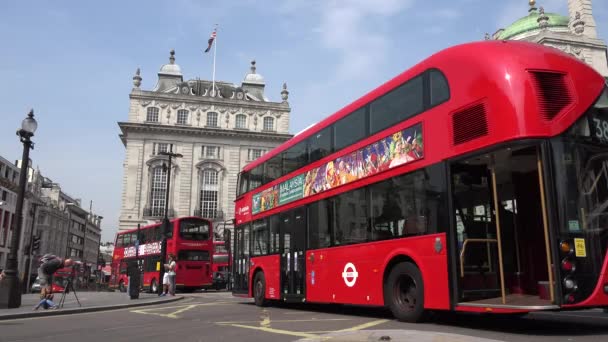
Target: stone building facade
[(217, 127), (575, 34), (50, 214)]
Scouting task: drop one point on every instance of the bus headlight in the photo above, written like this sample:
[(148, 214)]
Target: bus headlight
[(570, 284)]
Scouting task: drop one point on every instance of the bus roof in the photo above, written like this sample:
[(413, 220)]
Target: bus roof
[(482, 54), (159, 223)]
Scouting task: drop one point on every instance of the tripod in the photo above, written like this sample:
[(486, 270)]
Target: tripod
[(68, 287)]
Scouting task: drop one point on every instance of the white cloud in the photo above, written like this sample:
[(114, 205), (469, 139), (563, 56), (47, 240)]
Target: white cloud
[(353, 29)]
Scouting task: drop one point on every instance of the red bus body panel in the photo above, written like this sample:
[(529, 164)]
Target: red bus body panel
[(370, 261), (271, 266), (495, 73)]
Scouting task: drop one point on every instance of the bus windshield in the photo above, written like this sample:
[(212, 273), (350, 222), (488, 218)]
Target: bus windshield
[(192, 229), (581, 158)]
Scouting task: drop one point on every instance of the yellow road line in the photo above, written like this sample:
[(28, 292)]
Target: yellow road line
[(174, 314), (364, 325), (288, 320), (265, 319), (276, 331)]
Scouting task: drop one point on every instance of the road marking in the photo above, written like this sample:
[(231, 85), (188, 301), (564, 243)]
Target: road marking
[(276, 331), (364, 325), (265, 322), (182, 308), (288, 320)]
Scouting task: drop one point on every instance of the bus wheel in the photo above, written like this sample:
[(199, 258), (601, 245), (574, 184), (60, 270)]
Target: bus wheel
[(153, 286), (259, 289), (404, 292), (121, 286)]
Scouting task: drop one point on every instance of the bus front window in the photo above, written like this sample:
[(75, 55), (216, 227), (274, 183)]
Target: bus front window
[(581, 170), (192, 229)]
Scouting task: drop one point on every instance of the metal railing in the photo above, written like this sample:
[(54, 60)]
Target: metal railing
[(157, 212), (209, 213)]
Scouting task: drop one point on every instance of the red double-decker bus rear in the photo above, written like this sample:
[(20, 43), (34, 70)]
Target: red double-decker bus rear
[(189, 239)]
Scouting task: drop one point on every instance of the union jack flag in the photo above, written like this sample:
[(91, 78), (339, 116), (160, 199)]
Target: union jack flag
[(211, 39)]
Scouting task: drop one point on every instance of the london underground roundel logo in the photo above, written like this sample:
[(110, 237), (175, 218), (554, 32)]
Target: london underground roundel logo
[(350, 274)]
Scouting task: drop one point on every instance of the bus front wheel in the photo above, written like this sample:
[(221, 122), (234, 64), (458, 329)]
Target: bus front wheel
[(259, 289), (153, 286), (404, 292), (122, 287)]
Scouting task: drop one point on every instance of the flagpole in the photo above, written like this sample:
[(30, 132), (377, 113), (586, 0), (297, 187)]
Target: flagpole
[(214, 53)]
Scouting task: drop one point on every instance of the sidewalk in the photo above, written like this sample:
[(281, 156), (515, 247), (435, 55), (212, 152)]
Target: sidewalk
[(90, 301)]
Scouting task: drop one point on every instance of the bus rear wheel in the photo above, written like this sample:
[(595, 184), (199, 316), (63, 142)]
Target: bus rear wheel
[(404, 292), (259, 289), (122, 287), (153, 286)]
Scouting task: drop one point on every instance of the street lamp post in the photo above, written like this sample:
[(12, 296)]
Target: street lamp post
[(31, 250), (10, 294), (166, 223)]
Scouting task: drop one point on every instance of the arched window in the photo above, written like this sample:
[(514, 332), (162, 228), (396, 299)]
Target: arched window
[(208, 200), (182, 117), (212, 119), (240, 121), (152, 114), (268, 124), (158, 191)]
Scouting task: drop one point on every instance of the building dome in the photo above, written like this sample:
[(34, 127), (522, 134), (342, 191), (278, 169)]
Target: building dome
[(531, 23), (253, 77), (171, 68)]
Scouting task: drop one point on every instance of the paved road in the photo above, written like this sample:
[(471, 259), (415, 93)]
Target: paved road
[(221, 317)]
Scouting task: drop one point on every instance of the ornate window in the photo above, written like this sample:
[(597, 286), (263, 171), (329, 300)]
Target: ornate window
[(152, 115), (254, 153), (212, 119), (161, 147), (158, 191), (211, 152), (208, 201), (241, 121), (182, 117), (268, 124)]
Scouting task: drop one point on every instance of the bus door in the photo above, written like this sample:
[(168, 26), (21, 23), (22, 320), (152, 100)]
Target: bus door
[(503, 257), (292, 227), (240, 268)]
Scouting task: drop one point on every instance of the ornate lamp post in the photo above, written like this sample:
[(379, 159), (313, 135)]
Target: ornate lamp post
[(166, 223), (10, 294)]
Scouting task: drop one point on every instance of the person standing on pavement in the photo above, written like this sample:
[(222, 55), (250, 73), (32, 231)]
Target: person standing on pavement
[(171, 272)]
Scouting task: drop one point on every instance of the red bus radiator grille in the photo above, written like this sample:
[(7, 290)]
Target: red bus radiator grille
[(552, 93), (469, 123)]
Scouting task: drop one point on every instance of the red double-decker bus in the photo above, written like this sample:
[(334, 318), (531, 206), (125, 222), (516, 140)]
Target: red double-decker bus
[(475, 181), (190, 239)]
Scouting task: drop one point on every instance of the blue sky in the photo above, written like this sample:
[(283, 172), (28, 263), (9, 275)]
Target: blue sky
[(73, 62)]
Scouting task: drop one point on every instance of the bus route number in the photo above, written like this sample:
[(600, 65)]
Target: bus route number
[(601, 129)]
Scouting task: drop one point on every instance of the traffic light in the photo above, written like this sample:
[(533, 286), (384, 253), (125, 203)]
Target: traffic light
[(36, 244)]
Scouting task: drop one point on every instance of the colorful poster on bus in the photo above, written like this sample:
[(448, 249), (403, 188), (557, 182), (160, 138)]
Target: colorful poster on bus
[(397, 149)]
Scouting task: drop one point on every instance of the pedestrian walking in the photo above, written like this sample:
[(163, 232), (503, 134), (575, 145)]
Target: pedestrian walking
[(172, 274), (49, 264)]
